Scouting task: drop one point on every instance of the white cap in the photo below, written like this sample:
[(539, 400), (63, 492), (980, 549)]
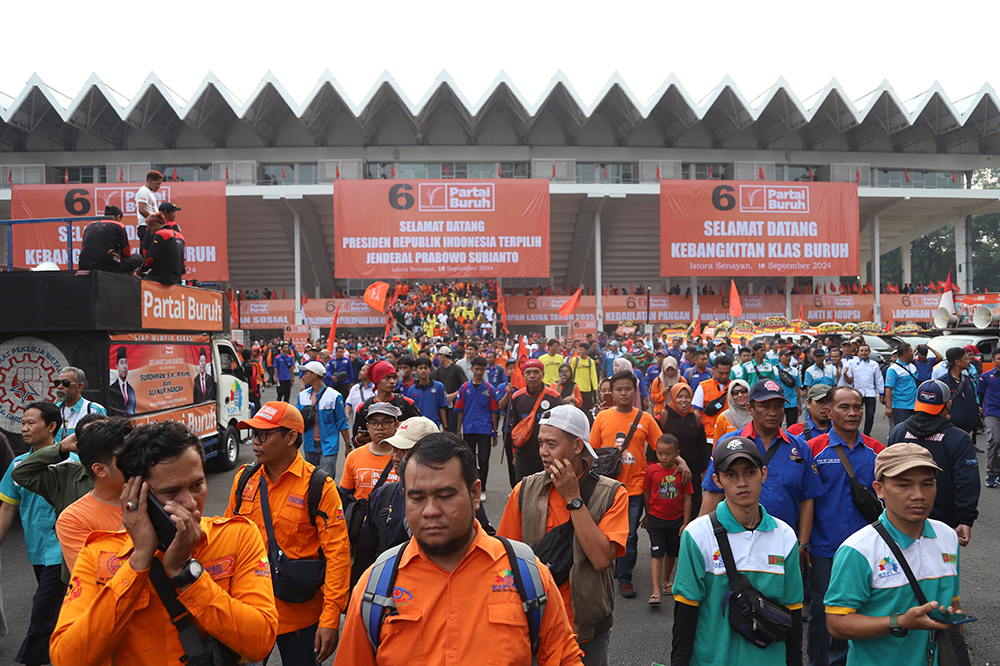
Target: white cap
[(316, 368), (411, 431), (572, 421)]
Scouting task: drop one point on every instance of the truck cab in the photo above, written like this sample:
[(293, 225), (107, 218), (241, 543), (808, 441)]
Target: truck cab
[(150, 352)]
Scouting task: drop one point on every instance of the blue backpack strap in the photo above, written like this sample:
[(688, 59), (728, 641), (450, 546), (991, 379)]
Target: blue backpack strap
[(377, 601), (528, 580)]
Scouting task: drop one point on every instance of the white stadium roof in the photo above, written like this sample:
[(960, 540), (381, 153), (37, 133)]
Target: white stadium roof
[(967, 125)]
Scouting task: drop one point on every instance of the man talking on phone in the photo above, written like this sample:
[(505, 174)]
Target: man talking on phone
[(214, 573)]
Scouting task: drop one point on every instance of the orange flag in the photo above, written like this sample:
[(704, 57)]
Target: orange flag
[(502, 309), (572, 304), (375, 295), (735, 306), (333, 331), (802, 311), (517, 376)]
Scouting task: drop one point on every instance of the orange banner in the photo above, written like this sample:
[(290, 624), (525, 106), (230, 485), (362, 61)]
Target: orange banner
[(840, 308), (441, 228), (756, 308), (297, 334), (177, 307), (277, 313), (202, 221), (200, 420), (758, 228), (154, 377)]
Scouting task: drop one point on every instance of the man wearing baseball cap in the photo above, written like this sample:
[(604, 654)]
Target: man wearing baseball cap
[(766, 548), (384, 378), (322, 438), (307, 631), (595, 506), (817, 414), (527, 459), (792, 480), (957, 501), (869, 590), (367, 464)]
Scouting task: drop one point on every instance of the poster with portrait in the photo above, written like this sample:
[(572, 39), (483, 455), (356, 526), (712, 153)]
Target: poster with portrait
[(153, 377)]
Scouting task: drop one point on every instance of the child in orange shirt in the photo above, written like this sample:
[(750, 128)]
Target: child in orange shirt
[(668, 513)]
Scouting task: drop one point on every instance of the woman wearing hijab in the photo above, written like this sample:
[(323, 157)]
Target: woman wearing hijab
[(738, 415), (567, 388), (679, 419), (625, 364), (659, 391)]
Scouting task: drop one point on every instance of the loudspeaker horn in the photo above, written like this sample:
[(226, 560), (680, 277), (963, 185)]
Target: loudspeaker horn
[(983, 317), (944, 319)]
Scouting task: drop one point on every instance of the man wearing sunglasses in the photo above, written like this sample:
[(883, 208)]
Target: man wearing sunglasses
[(70, 401)]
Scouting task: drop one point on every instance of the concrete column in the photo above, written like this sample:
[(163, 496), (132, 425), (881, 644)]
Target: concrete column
[(876, 246), (788, 296), (299, 315), (907, 270), (695, 307), (598, 279), (963, 254)]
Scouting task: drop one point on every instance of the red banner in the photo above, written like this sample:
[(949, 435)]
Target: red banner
[(178, 307), (441, 229), (758, 228), (201, 420), (202, 221), (318, 313)]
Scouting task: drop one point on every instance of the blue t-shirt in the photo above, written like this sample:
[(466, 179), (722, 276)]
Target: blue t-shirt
[(791, 475), (924, 368), (429, 399), (989, 390), (37, 516), (900, 379), (791, 392), (477, 405)]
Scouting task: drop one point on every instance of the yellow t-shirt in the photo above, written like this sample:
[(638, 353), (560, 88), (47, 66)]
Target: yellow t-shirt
[(551, 364)]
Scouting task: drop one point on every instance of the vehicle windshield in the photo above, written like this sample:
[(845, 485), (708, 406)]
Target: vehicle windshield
[(876, 343), (943, 343)]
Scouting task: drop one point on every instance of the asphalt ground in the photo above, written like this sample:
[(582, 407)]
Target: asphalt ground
[(642, 633)]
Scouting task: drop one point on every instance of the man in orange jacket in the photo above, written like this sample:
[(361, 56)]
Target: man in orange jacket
[(307, 630), (218, 567)]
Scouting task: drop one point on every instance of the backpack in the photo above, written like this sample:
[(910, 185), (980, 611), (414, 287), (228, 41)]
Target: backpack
[(377, 601), (316, 482), (356, 509)]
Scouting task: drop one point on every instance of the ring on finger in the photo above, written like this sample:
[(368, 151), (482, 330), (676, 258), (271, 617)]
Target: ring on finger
[(131, 506)]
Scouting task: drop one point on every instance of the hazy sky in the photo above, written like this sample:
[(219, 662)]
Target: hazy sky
[(911, 44)]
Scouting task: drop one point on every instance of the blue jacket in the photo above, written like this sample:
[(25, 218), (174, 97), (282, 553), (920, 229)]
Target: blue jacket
[(331, 417), (284, 365), (340, 364)]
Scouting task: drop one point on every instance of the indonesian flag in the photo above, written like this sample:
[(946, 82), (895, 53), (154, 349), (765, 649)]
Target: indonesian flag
[(517, 375), (333, 330), (375, 295), (948, 297), (572, 304), (735, 305)]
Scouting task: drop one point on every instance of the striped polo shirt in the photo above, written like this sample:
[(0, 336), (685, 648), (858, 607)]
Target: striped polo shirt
[(867, 579), (767, 555)]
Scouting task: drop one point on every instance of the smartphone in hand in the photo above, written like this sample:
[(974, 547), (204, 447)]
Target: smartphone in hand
[(165, 528), (950, 618)]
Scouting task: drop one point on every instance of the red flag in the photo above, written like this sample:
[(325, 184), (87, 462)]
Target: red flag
[(657, 171), (889, 326), (921, 287), (517, 375), (948, 285), (175, 174), (65, 175), (953, 176), (906, 175), (499, 175), (572, 304), (605, 172), (810, 173), (121, 175), (388, 325), (710, 172), (868, 287), (447, 171), (274, 293), (338, 170), (333, 331), (696, 331), (10, 176), (843, 288), (392, 171), (762, 173), (375, 295), (553, 169), (283, 297), (227, 172), (854, 288), (735, 305), (857, 175), (305, 298), (282, 172), (502, 310), (802, 311)]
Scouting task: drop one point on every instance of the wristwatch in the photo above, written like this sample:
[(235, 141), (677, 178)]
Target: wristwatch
[(189, 573), (575, 503), (894, 628)]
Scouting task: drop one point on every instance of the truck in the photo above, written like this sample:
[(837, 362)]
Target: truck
[(150, 352)]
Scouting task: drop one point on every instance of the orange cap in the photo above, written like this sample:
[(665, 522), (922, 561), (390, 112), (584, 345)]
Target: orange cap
[(275, 415)]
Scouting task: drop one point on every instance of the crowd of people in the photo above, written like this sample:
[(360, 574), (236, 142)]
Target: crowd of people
[(777, 525)]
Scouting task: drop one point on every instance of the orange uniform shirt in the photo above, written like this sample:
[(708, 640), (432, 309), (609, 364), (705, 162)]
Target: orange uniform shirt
[(611, 425), (112, 614), (362, 470), (468, 616), (614, 525), (288, 500), (76, 522)]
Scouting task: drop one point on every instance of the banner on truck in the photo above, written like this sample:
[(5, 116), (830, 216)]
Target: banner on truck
[(179, 307), (154, 377), (202, 221), (441, 229), (758, 228)]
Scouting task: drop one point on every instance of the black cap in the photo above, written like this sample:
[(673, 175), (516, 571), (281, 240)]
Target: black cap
[(168, 207), (953, 354), (112, 211), (734, 448), (766, 389)]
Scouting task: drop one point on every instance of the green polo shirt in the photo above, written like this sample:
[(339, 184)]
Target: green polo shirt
[(867, 579), (768, 556)]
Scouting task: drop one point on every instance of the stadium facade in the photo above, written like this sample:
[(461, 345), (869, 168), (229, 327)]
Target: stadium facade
[(913, 159)]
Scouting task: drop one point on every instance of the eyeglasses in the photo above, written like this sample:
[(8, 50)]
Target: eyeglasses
[(380, 425), (740, 391), (263, 435), (65, 383)]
